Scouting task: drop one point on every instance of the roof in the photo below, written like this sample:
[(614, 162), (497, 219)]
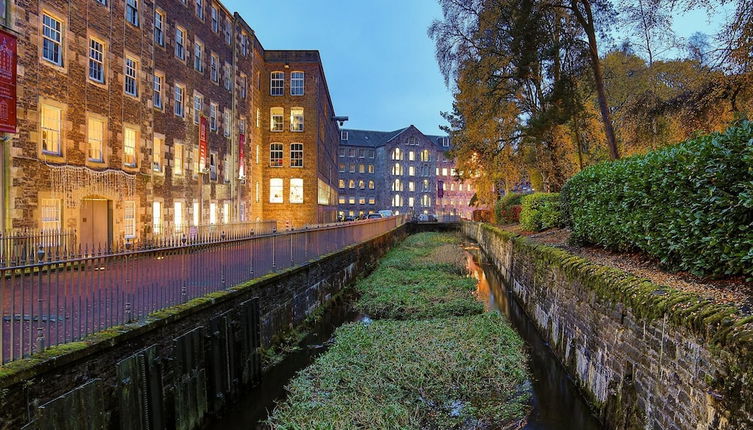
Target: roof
[(371, 138)]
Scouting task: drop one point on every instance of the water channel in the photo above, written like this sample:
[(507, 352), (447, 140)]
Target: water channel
[(556, 402)]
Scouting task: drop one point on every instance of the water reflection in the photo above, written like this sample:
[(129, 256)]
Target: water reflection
[(557, 404)]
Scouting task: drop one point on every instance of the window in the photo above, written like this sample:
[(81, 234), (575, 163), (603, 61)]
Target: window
[(157, 91), (397, 185), (131, 86), (129, 146), (425, 200), (226, 168), (215, 19), (258, 117), (213, 213), (371, 153), (275, 190), (258, 153), (397, 169), (129, 218), (180, 41), (296, 84), (227, 79), (157, 217), (132, 12), (158, 144), (411, 201), (372, 201), (196, 213), (50, 212), (198, 107), (257, 192), (296, 190), (425, 185), (296, 155), (52, 44), (159, 28), (446, 142), (242, 126), (361, 168), (95, 135), (371, 168), (341, 200), (200, 9), (212, 166), (226, 29), (352, 152), (361, 184), (425, 155), (352, 168), (343, 134), (51, 124), (180, 96), (243, 85), (362, 200), (198, 56), (214, 64), (411, 171), (275, 155), (178, 216), (371, 185), (341, 167), (296, 119), (444, 171), (411, 186), (226, 123), (213, 116), (397, 154), (244, 44), (177, 159), (276, 119), (341, 183), (96, 61), (397, 200), (277, 85), (411, 156), (352, 184), (225, 213)]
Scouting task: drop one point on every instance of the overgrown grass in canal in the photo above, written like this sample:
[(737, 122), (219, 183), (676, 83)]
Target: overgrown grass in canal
[(424, 277), (457, 372)]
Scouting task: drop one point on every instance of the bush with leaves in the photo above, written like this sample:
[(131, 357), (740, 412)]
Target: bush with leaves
[(689, 205), (540, 211), (507, 209)]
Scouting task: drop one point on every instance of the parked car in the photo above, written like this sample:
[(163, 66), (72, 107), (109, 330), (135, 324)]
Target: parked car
[(350, 218), (375, 215), (386, 213)]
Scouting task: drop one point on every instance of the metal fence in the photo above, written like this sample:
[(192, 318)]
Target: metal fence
[(54, 301), (19, 247)]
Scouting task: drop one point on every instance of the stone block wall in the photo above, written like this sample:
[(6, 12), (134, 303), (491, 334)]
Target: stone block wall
[(184, 362), (645, 356)]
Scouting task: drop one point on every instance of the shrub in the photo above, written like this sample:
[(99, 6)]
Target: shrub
[(689, 205), (507, 209), (540, 211)]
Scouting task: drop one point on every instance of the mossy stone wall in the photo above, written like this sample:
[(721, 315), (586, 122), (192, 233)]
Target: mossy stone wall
[(646, 357)]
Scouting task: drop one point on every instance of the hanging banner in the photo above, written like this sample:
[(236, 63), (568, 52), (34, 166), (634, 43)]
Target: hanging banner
[(8, 60), (241, 156), (440, 189), (202, 144)]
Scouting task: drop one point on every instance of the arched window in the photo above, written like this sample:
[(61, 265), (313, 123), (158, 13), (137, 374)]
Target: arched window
[(371, 185)]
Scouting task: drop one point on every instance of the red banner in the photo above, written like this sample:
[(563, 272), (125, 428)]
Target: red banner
[(241, 156), (202, 144), (8, 60)]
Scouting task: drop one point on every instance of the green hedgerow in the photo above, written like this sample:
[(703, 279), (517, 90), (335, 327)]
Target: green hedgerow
[(689, 205), (507, 209), (540, 211)]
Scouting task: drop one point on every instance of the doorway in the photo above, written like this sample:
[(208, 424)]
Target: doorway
[(96, 224)]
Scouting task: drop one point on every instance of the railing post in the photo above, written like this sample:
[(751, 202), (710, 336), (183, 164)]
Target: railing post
[(222, 256), (183, 289), (273, 250), (40, 325), (127, 309)]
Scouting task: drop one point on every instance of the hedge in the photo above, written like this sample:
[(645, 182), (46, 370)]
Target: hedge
[(540, 211), (507, 209), (689, 205)]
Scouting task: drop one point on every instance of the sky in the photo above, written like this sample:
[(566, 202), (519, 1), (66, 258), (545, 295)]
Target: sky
[(378, 59)]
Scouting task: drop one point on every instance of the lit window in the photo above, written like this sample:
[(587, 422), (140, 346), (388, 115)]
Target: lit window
[(371, 168), (351, 200), (178, 159), (397, 169), (51, 129), (52, 33), (131, 82), (129, 146), (296, 84), (157, 217), (198, 56), (225, 213), (212, 213), (425, 155), (157, 91), (159, 31), (277, 84), (351, 184), (132, 12), (411, 186), (296, 155), (96, 61), (362, 200), (411, 156), (95, 136), (296, 190), (296, 119), (129, 218), (341, 183), (444, 171), (411, 201), (397, 154), (411, 171), (212, 166), (196, 213), (157, 144), (362, 184), (50, 212), (257, 192), (180, 95), (275, 190), (341, 200), (178, 216), (180, 41), (275, 155), (276, 119), (226, 168), (371, 185)]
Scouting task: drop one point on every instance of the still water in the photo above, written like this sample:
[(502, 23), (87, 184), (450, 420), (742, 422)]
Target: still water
[(557, 405)]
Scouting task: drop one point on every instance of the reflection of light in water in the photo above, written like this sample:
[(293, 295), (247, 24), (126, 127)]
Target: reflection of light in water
[(483, 290)]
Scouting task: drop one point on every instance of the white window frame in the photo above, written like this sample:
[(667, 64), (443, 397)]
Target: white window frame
[(157, 86), (178, 159), (132, 12), (277, 83), (198, 56), (131, 76), (96, 60), (276, 190), (180, 43), (129, 219), (297, 82), (130, 151), (226, 122), (296, 155), (296, 190), (95, 139), (276, 148), (213, 108), (159, 27), (50, 213), (198, 107), (277, 119), (157, 217), (296, 119), (179, 101), (50, 132), (52, 43)]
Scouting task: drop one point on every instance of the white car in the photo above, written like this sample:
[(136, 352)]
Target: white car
[(385, 213)]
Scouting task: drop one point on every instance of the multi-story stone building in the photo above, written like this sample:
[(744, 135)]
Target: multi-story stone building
[(402, 170), (138, 119)]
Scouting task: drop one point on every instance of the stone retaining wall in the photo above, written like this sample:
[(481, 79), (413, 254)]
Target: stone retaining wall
[(181, 364), (645, 356)]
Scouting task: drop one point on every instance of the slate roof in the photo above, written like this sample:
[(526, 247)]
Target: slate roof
[(375, 139)]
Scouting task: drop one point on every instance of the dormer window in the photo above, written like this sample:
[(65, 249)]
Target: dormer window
[(343, 134)]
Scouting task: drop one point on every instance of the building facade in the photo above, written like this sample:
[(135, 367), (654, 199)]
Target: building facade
[(402, 170), (139, 119)]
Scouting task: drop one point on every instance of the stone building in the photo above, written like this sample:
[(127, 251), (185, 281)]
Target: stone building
[(112, 98), (402, 170)]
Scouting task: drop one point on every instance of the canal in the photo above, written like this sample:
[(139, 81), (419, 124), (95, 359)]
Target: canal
[(556, 402)]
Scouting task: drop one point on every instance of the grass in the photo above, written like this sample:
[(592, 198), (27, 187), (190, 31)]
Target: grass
[(457, 372), (424, 277)]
